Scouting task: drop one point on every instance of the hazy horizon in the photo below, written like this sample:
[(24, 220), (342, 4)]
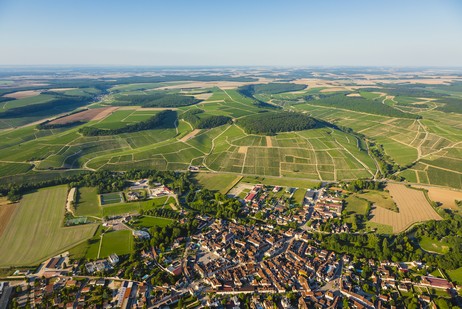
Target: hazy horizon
[(235, 34)]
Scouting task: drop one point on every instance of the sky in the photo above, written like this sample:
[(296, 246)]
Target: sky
[(231, 33)]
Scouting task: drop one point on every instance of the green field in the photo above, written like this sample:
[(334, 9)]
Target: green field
[(428, 149), (431, 245), (355, 205), (87, 203), (379, 198), (119, 242), (135, 207), (455, 275), (36, 230), (217, 182)]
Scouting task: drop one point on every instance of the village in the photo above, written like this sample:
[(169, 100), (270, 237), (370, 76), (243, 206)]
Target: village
[(223, 262), (227, 264)]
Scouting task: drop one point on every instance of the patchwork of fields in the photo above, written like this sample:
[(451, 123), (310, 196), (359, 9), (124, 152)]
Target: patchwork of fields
[(429, 149)]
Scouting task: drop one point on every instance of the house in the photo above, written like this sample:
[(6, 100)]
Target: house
[(113, 259), (141, 234)]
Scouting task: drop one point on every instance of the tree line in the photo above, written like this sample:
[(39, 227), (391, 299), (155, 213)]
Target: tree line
[(163, 119), (60, 104), (104, 181), (274, 122), (204, 122), (359, 104)]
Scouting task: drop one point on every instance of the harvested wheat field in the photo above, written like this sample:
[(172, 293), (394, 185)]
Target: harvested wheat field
[(447, 197), (269, 142), (203, 96), (413, 207), (6, 211), (86, 115), (190, 135), (243, 149), (22, 94)]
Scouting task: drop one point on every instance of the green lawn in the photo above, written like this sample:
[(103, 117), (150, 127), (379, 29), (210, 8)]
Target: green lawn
[(88, 203), (432, 245), (456, 275), (36, 230)]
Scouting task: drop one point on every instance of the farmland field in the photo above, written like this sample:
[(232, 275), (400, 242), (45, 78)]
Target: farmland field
[(218, 182), (413, 208), (6, 212), (36, 230), (427, 148)]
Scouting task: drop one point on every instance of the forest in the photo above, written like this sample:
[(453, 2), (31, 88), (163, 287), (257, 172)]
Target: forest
[(359, 104), (451, 105), (205, 122), (156, 99), (249, 91), (274, 88), (61, 104), (163, 119), (274, 122)]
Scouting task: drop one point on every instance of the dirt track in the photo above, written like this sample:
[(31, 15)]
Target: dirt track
[(190, 135), (413, 207)]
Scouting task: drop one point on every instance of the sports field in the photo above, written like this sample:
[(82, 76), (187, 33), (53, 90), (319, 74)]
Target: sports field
[(111, 198), (36, 230)]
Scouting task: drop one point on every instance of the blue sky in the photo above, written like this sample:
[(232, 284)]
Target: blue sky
[(196, 32)]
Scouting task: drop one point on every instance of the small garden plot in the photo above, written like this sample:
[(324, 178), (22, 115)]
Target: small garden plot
[(111, 198)]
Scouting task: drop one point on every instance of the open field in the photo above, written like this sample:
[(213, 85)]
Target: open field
[(447, 197), (22, 94), (87, 203), (36, 230), (87, 115), (6, 212), (432, 245), (135, 207), (217, 182), (380, 199), (413, 208), (455, 275)]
